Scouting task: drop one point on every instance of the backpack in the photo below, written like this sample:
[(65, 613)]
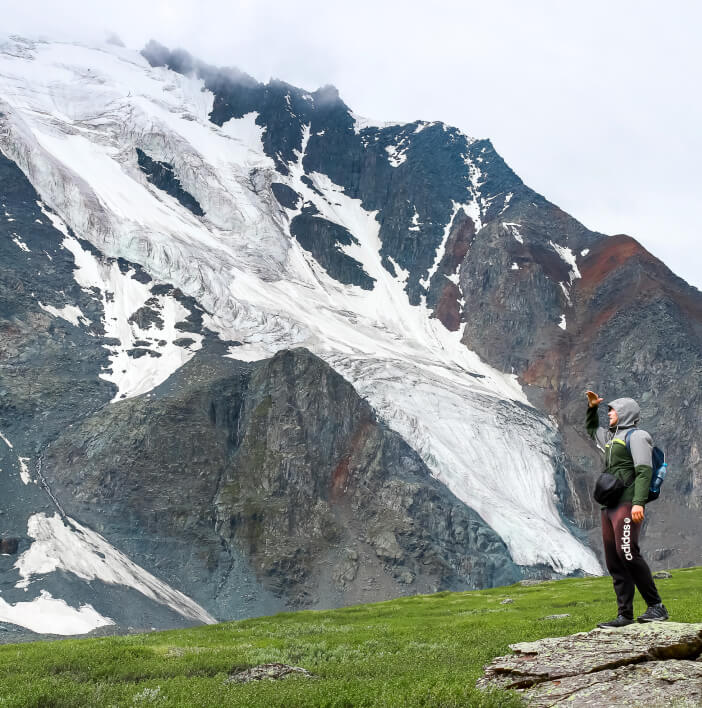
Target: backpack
[(659, 466)]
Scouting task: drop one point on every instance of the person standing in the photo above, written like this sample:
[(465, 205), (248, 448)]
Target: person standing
[(621, 524)]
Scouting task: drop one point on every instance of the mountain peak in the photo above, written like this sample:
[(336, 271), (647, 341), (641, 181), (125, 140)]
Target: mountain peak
[(327, 94)]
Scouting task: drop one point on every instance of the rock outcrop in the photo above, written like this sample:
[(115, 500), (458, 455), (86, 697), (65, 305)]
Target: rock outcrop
[(253, 487), (270, 672), (643, 664)]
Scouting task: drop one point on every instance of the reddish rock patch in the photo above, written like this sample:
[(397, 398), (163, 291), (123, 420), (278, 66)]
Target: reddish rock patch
[(608, 255), (448, 309), (340, 477), (341, 473), (8, 546), (458, 243), (545, 372)]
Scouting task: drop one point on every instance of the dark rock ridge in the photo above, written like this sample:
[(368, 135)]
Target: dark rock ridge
[(252, 487), (161, 175), (654, 664), (366, 162), (323, 239)]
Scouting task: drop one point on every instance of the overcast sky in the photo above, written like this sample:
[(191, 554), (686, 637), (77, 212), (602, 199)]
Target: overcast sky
[(595, 104)]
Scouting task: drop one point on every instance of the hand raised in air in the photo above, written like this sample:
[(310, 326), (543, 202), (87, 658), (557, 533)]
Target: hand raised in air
[(593, 399)]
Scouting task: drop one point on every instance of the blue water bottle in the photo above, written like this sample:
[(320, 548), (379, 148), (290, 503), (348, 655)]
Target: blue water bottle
[(658, 478)]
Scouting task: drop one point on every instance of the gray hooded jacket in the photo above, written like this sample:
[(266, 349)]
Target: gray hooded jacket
[(640, 442), (612, 442)]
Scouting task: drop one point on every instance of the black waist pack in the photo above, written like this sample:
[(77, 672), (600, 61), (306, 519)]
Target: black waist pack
[(608, 489)]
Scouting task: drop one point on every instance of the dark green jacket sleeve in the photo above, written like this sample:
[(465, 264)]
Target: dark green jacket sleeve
[(592, 421), (642, 483), (594, 430)]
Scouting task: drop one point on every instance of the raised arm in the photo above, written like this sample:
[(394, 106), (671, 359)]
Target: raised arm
[(592, 421)]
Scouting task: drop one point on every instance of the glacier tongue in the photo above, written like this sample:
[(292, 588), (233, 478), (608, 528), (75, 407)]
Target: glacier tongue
[(75, 133)]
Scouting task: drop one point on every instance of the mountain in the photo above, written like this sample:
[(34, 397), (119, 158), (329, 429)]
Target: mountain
[(264, 352)]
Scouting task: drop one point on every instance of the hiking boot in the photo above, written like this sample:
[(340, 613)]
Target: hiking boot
[(655, 613), (621, 621)]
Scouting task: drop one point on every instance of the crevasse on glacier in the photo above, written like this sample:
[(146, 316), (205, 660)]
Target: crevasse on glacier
[(75, 135)]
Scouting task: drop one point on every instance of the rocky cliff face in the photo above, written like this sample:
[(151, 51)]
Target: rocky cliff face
[(630, 327), (254, 487), (53, 374)]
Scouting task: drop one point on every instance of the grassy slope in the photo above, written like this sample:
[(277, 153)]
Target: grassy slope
[(420, 651)]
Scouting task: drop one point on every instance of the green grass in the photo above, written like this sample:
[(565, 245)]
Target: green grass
[(421, 651)]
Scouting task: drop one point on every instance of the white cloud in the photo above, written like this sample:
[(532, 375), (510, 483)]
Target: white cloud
[(594, 105)]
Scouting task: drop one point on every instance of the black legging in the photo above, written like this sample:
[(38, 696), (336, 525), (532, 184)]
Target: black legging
[(624, 561)]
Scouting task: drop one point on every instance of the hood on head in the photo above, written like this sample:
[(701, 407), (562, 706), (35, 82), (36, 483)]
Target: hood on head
[(628, 411)]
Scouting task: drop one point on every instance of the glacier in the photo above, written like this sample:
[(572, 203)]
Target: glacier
[(72, 117)]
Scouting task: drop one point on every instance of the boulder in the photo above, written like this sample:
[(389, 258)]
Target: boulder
[(386, 546), (555, 617), (8, 546), (532, 581), (266, 671), (656, 663)]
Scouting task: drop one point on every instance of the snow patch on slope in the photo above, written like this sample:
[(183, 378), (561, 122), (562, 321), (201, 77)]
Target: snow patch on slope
[(424, 282), (415, 224), (569, 257), (508, 199), (16, 239), (514, 230), (122, 296), (24, 470), (70, 313), (396, 154), (48, 615), (71, 547)]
